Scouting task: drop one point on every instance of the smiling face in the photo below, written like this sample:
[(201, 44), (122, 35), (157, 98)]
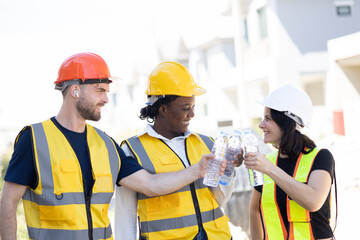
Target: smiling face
[(272, 131), (174, 117), (91, 98)]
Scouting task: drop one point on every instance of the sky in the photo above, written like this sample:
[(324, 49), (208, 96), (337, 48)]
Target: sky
[(37, 36)]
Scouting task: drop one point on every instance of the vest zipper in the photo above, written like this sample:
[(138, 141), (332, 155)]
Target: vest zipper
[(194, 196), (88, 212), (196, 206), (192, 190), (88, 199)]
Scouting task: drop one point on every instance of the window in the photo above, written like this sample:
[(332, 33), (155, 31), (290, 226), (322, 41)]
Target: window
[(226, 123), (113, 99), (262, 22), (315, 89), (206, 110), (245, 33), (343, 8)]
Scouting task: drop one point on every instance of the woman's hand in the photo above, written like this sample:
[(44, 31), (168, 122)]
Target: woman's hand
[(258, 162)]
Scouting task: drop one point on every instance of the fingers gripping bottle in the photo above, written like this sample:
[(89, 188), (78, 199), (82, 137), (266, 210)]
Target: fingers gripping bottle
[(233, 148), (250, 144), (212, 173)]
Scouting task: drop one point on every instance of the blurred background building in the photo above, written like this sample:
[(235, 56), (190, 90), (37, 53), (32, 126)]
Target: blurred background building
[(253, 47)]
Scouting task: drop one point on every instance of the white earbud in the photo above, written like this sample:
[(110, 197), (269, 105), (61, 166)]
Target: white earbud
[(76, 93)]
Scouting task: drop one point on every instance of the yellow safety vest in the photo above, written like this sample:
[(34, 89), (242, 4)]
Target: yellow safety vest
[(57, 208), (177, 215), (298, 217)]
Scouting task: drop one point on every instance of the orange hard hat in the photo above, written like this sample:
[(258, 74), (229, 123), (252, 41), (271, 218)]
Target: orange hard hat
[(85, 68)]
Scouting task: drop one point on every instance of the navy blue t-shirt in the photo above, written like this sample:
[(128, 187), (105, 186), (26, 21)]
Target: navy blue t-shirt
[(22, 171)]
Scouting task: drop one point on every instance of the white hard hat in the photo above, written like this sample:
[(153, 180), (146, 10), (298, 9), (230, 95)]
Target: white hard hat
[(293, 101)]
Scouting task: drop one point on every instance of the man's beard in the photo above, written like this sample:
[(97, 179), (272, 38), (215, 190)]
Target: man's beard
[(87, 111)]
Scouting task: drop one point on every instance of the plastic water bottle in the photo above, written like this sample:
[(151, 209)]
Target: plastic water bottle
[(212, 173), (250, 144), (233, 148)]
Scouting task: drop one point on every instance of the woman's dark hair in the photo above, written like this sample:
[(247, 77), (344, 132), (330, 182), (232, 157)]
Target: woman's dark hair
[(292, 142), (149, 112)]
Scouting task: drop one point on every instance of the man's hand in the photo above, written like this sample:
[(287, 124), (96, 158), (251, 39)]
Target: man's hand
[(201, 166), (238, 159), (164, 183)]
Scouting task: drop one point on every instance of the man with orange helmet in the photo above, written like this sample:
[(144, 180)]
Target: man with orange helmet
[(65, 170)]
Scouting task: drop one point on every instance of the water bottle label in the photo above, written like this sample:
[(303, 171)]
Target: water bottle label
[(249, 149)]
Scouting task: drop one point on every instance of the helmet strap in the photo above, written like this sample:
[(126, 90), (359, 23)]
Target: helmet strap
[(298, 121), (153, 98), (299, 128), (62, 85)]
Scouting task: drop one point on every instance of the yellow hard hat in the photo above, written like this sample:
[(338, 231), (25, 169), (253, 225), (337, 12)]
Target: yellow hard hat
[(171, 78)]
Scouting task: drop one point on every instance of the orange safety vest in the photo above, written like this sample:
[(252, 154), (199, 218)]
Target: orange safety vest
[(298, 217)]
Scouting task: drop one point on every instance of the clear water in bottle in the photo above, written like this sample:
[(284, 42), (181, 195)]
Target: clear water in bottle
[(233, 148), (212, 173), (250, 144)]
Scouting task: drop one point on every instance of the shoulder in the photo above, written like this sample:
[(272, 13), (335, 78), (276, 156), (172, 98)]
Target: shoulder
[(126, 145), (324, 153), (21, 169), (209, 141), (324, 160), (200, 135), (23, 137), (101, 133)]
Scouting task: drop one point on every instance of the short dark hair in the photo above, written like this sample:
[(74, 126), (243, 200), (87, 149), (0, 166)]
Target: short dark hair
[(292, 142), (151, 111)]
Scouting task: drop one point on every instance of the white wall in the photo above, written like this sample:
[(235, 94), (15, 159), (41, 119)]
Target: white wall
[(343, 82)]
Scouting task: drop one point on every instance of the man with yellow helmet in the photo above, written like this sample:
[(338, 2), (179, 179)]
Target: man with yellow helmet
[(167, 145)]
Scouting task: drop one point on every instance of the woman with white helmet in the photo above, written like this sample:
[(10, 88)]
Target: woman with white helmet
[(294, 201)]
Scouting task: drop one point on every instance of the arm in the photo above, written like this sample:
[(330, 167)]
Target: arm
[(223, 193), (165, 183), (11, 195), (125, 214), (255, 218), (126, 224), (310, 196)]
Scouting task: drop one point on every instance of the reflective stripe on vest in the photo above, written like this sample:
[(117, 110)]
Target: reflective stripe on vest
[(273, 222), (299, 218), (173, 216), (60, 234), (173, 223), (56, 208)]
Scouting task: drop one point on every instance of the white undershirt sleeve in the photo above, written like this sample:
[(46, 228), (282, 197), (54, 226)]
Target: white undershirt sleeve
[(125, 214), (125, 210), (223, 193)]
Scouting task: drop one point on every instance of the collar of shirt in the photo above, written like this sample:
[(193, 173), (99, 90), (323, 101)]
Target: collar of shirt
[(149, 130), (177, 144)]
